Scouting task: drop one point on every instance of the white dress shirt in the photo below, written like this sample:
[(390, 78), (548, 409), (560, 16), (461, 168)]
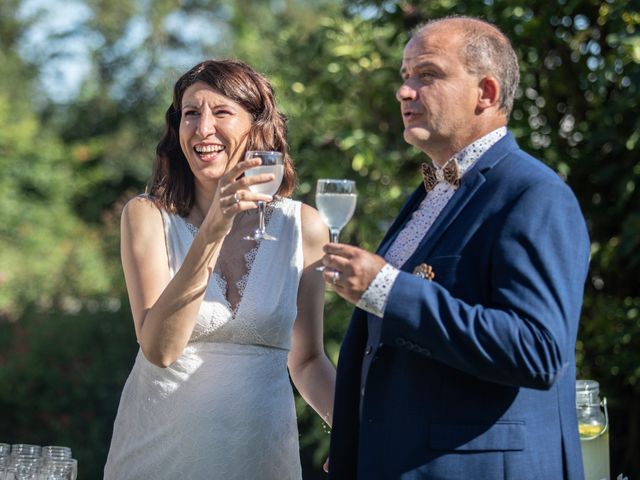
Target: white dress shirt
[(374, 299)]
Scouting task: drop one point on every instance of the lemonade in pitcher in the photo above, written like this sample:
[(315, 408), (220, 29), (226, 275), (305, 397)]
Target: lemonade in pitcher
[(593, 424)]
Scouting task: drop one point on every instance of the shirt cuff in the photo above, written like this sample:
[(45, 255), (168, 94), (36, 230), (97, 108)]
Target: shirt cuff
[(374, 299)]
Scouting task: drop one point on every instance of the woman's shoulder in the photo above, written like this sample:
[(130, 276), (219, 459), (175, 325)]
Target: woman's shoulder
[(141, 209), (288, 207), (306, 212), (306, 216), (313, 228)]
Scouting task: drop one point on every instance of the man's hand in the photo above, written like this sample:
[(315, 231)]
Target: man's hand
[(350, 269)]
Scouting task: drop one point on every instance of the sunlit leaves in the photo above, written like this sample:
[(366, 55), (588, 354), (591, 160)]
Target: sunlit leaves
[(45, 252), (69, 160)]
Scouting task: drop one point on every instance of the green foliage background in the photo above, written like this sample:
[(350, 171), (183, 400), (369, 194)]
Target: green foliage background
[(70, 158)]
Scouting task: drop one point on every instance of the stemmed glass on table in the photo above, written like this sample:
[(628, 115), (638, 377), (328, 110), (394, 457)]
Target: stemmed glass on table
[(272, 162), (336, 201)]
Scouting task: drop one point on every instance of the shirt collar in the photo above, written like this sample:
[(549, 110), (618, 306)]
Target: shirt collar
[(468, 156)]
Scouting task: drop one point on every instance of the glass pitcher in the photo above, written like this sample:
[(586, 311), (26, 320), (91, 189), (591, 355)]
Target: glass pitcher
[(593, 424)]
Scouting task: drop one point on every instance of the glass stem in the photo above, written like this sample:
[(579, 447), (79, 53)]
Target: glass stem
[(261, 206), (334, 232)]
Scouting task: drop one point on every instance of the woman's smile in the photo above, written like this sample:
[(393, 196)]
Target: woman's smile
[(208, 152)]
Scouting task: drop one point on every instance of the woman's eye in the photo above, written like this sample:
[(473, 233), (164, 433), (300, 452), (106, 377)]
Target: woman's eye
[(222, 113), (190, 113)]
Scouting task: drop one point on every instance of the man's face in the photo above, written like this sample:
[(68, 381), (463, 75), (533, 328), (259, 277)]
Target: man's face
[(438, 97)]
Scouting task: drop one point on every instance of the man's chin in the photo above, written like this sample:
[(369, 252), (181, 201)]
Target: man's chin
[(418, 137)]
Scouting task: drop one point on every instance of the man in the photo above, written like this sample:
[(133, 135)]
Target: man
[(459, 362)]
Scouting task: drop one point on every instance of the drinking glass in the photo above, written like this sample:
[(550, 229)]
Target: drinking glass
[(25, 467), (336, 202), (5, 459), (18, 449), (59, 469), (272, 162), (56, 452)]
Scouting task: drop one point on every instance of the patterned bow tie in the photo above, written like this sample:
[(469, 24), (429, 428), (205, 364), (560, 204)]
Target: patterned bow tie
[(433, 176)]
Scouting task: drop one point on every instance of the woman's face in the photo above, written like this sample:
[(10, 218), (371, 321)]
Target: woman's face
[(213, 131)]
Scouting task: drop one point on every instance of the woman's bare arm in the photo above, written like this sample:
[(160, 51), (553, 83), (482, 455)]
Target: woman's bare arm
[(311, 371)]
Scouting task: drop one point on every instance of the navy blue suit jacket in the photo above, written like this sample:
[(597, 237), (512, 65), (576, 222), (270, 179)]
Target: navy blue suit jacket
[(473, 374)]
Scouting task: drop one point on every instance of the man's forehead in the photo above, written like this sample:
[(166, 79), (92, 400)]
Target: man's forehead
[(428, 45), (419, 54)]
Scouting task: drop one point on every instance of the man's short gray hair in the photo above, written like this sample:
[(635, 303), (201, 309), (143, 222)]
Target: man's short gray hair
[(486, 51)]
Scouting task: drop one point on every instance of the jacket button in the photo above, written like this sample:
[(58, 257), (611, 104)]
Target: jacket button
[(368, 350)]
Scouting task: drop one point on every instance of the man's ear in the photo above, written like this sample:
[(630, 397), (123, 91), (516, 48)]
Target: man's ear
[(488, 94)]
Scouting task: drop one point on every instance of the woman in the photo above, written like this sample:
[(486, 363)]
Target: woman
[(219, 318)]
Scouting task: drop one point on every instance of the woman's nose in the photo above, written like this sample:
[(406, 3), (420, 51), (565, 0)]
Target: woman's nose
[(206, 124), (405, 92)]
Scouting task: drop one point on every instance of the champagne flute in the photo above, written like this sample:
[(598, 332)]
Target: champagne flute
[(336, 202), (272, 162)]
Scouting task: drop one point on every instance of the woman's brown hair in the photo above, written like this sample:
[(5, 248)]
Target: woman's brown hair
[(172, 183)]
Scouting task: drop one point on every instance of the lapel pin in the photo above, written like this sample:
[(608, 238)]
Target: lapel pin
[(425, 271)]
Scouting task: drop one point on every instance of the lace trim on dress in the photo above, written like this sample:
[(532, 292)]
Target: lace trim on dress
[(241, 284), (249, 258), (222, 284), (192, 228)]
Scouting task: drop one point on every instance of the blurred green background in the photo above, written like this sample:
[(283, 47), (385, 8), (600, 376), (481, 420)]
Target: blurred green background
[(83, 87)]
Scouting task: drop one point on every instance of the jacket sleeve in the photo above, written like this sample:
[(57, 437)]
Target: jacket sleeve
[(524, 333)]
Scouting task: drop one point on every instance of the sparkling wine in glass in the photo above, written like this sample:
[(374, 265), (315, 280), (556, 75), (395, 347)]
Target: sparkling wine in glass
[(336, 201), (272, 162)]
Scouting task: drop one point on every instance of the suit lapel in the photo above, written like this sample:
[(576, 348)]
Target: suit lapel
[(460, 199), (470, 183)]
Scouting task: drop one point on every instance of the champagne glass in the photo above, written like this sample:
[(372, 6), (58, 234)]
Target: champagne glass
[(336, 202), (272, 162)]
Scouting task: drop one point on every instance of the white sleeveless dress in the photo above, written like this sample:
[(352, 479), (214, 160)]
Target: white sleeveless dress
[(225, 409)]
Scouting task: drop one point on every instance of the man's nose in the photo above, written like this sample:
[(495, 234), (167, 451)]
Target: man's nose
[(405, 92), (206, 124)]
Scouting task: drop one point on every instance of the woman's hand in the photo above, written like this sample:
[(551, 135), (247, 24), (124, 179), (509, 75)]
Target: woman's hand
[(233, 196)]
